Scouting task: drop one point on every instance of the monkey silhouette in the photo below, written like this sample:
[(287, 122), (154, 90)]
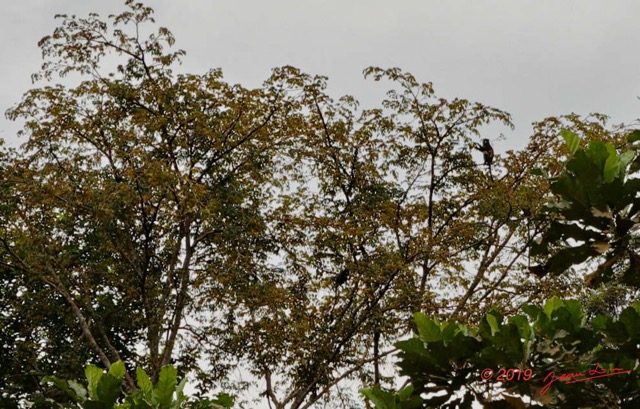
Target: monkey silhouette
[(487, 151)]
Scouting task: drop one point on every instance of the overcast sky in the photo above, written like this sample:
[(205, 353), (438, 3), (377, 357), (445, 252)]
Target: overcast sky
[(531, 58)]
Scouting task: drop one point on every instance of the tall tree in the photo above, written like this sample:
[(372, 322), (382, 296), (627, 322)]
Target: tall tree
[(177, 218), (563, 354), (133, 189)]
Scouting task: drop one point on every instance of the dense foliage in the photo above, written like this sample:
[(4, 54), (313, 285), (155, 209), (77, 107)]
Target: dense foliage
[(520, 361), (104, 390), (594, 215), (155, 217)]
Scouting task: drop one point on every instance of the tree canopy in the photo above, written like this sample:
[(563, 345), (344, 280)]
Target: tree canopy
[(153, 217), (538, 357)]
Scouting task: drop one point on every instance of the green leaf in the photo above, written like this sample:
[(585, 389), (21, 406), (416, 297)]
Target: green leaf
[(78, 388), (493, 324), (144, 383), (108, 389), (575, 309), (600, 322), (449, 332), (617, 332), (567, 187), (536, 172), (611, 165), (630, 318), (428, 329), (411, 346), (560, 231), (531, 310), (405, 393), (180, 393), (224, 400), (163, 391), (117, 370), (569, 256), (93, 404), (381, 399), (626, 158), (551, 305), (524, 327), (93, 374), (598, 152), (571, 139), (62, 385), (634, 136)]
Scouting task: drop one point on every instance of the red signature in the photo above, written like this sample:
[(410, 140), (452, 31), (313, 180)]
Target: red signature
[(576, 377)]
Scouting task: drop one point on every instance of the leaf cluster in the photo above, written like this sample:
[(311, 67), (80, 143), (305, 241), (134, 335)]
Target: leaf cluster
[(445, 360), (595, 214), (104, 391)]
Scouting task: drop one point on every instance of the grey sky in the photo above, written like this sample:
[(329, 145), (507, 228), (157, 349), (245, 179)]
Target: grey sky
[(531, 58)]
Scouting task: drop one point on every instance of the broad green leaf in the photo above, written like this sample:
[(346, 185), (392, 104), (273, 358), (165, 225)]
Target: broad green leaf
[(411, 346), (626, 158), (612, 165), (405, 393), (536, 172), (551, 305), (524, 327), (574, 194), (634, 136), (493, 324), (94, 404), (144, 383), (531, 310), (137, 401), (166, 386), (78, 388), (428, 329), (117, 370), (575, 309), (108, 389), (93, 374), (630, 318), (224, 400), (381, 399), (449, 331), (600, 322), (569, 256), (62, 385), (617, 332), (562, 231), (180, 396), (571, 139), (597, 153)]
